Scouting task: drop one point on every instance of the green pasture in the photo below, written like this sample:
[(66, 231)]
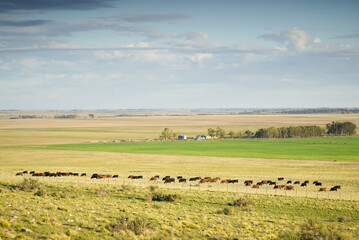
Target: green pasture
[(326, 148), (34, 210)]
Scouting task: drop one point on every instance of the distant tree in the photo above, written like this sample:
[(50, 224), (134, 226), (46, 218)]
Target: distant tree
[(249, 133), (167, 133), (239, 134), (261, 133), (341, 128), (211, 132), (231, 134), (272, 132), (91, 115), (220, 133)]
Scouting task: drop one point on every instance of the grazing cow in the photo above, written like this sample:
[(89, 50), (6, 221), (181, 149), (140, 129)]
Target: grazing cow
[(323, 189), (280, 178), (233, 181), (315, 182), (289, 181), (157, 176), (131, 176), (179, 177), (259, 183), (318, 184), (335, 188), (279, 186), (94, 175), (296, 182), (24, 172), (75, 174), (115, 176), (264, 182), (19, 174), (289, 188), (83, 175), (192, 179), (255, 186), (225, 180), (304, 184), (32, 172), (272, 183), (213, 180), (169, 180), (248, 182), (204, 180), (306, 181), (153, 179), (183, 180)]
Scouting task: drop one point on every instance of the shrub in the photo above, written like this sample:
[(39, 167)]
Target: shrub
[(137, 225), (29, 185), (41, 192), (344, 219), (165, 197), (311, 229), (225, 211), (153, 188), (241, 202)]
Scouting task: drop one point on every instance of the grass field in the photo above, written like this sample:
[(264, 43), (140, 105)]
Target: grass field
[(328, 148), (80, 208)]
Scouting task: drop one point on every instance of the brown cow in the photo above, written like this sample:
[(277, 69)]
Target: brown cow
[(153, 179), (323, 189), (19, 174), (289, 188), (204, 180), (248, 182), (255, 186)]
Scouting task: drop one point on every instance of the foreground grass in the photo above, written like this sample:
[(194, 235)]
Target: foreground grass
[(64, 211), (326, 148)]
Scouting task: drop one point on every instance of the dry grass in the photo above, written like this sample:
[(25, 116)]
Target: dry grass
[(242, 121)]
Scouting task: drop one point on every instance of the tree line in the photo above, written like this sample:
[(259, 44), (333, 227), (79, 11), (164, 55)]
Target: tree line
[(331, 129), (71, 116)]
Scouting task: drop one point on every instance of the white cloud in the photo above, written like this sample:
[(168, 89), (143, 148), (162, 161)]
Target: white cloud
[(31, 63), (294, 38), (143, 45), (108, 54), (317, 40)]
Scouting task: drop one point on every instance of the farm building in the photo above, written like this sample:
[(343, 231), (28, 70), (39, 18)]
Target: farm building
[(202, 137), (182, 137)]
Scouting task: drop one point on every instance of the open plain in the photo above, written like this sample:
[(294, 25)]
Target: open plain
[(83, 208)]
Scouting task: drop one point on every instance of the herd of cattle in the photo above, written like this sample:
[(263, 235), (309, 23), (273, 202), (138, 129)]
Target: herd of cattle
[(278, 184)]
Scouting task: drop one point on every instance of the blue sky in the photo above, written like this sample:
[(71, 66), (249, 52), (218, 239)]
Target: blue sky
[(107, 54)]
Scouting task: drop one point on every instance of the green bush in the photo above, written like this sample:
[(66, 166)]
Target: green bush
[(311, 229), (225, 211), (137, 225), (165, 197), (241, 202), (29, 185)]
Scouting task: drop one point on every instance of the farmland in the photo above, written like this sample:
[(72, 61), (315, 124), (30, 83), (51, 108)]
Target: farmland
[(84, 208), (329, 148)]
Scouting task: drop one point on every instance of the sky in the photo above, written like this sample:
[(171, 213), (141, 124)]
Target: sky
[(155, 54)]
